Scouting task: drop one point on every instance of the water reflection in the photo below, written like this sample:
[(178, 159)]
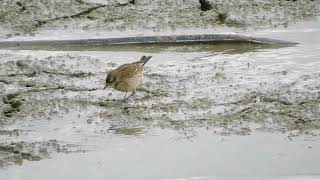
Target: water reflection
[(232, 47)]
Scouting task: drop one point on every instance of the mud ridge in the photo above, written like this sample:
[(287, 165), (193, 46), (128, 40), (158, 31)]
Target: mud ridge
[(17, 152)]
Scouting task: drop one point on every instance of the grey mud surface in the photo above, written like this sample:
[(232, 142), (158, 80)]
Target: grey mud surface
[(30, 17), (246, 111), (53, 101)]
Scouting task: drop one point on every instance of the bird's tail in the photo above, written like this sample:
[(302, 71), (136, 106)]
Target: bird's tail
[(144, 59)]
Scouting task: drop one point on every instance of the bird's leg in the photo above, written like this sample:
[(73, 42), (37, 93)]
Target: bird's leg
[(124, 98), (132, 94)]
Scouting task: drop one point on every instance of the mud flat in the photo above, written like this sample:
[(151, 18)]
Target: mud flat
[(242, 110), (23, 17)]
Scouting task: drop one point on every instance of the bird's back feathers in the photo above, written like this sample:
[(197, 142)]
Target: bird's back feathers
[(131, 69)]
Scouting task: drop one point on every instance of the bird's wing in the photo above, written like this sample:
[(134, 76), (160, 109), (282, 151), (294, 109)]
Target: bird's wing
[(128, 70)]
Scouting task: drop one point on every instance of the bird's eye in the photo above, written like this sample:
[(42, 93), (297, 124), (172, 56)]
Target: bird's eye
[(109, 79)]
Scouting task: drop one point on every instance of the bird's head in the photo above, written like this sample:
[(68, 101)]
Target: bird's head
[(110, 80)]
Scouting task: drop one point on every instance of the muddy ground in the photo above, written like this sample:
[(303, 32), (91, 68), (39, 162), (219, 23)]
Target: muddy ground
[(43, 94), (52, 101), (30, 17)]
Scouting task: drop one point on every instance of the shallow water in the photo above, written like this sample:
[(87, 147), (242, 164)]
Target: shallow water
[(161, 155), (203, 113), (156, 48)]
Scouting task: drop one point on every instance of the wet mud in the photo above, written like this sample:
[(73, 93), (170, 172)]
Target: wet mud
[(52, 101), (23, 17), (45, 94), (15, 153)]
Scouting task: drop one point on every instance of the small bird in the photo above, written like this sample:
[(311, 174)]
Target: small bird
[(127, 77)]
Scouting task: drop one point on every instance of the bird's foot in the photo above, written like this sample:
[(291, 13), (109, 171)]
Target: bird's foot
[(127, 98)]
